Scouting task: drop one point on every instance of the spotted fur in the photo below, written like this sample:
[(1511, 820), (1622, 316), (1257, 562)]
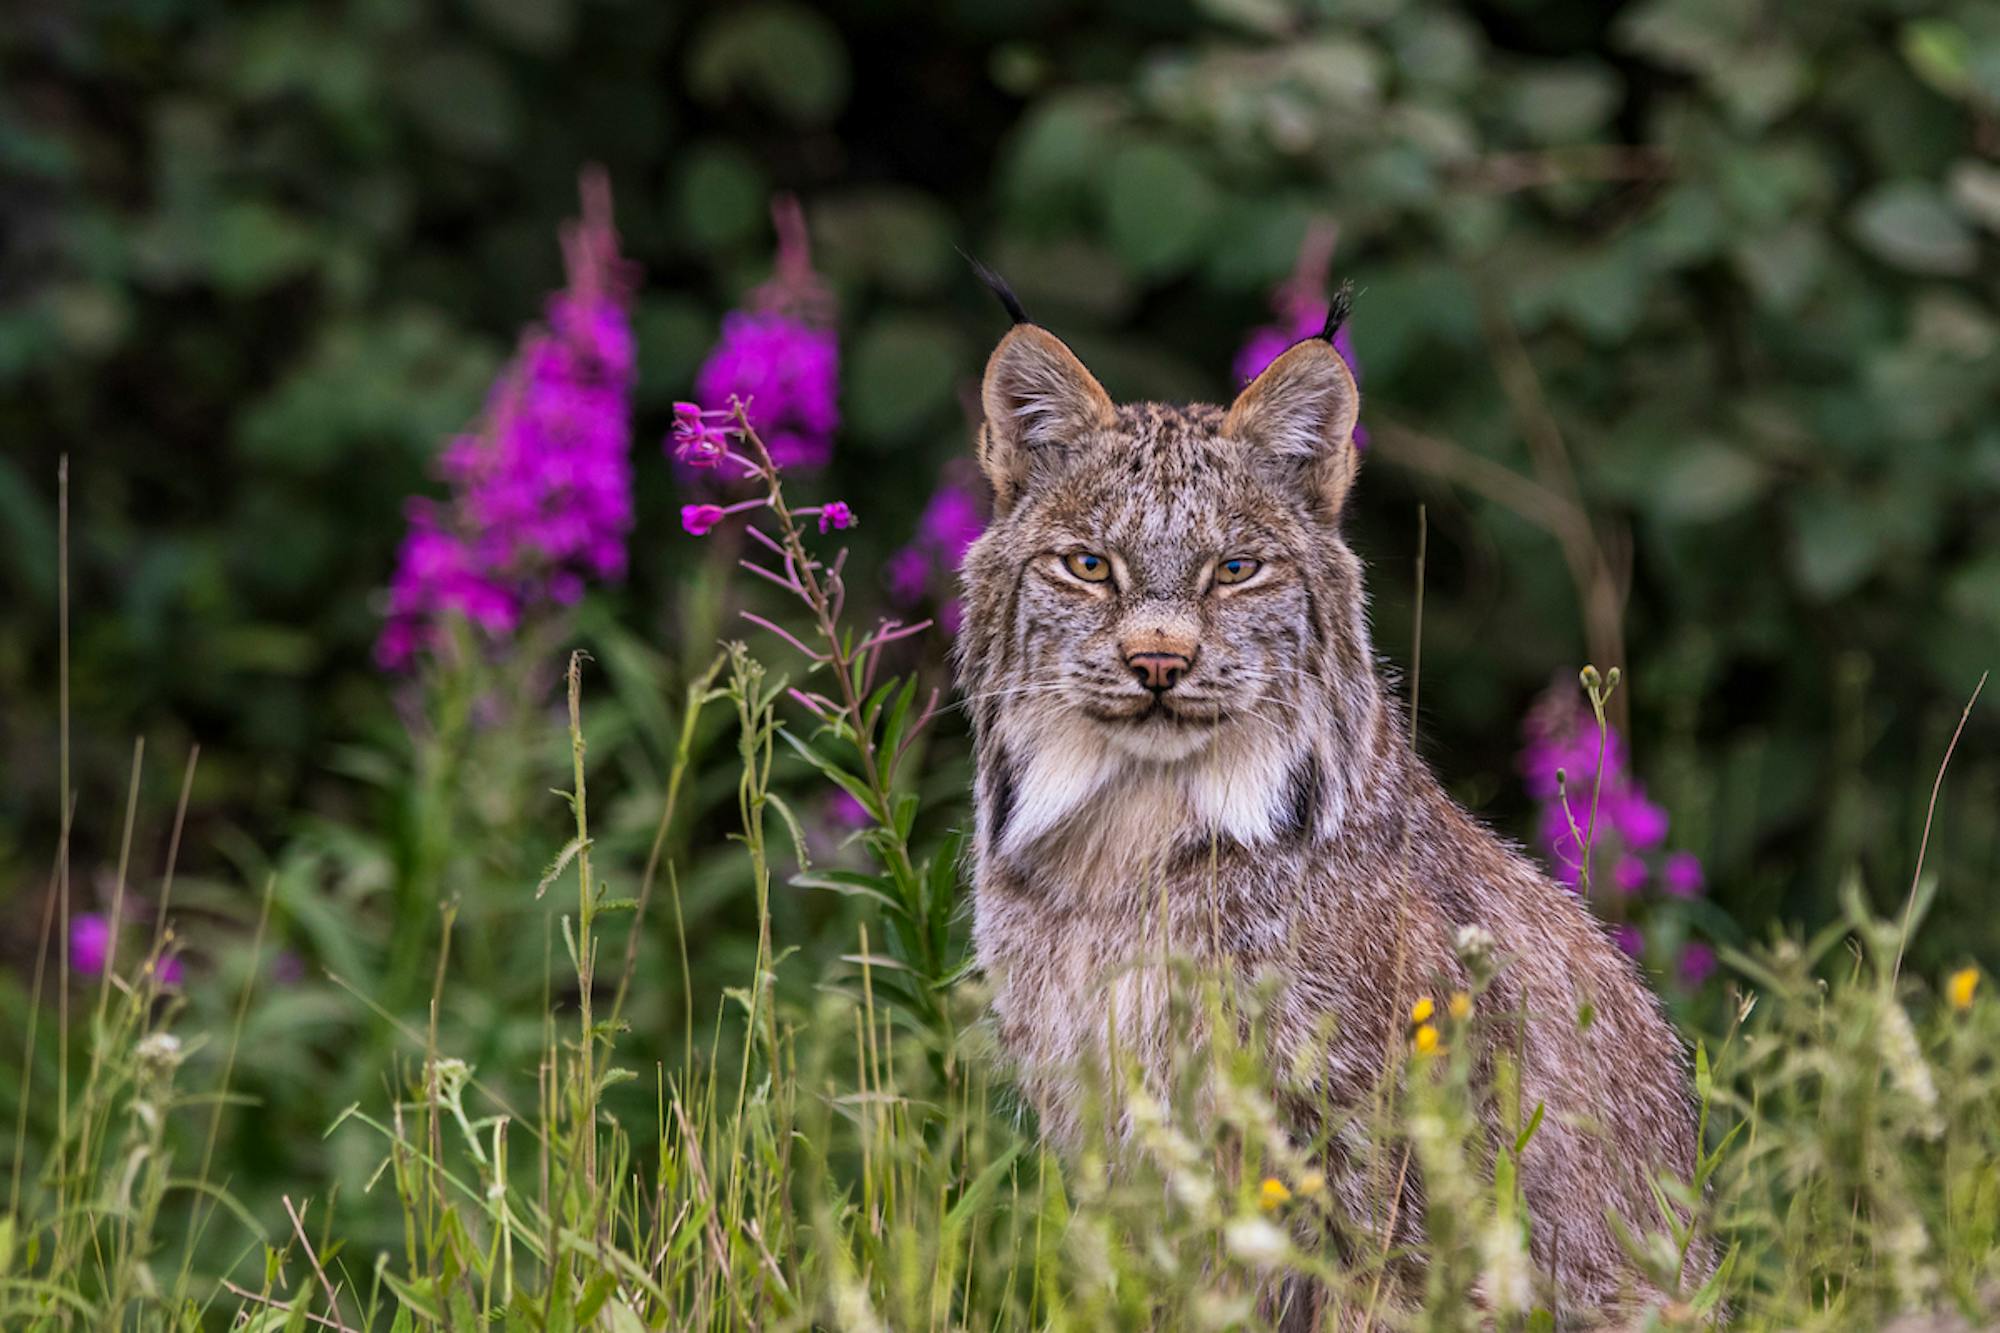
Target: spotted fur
[(1267, 812)]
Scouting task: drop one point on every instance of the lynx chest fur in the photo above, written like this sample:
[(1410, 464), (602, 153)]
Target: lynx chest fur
[(1185, 750)]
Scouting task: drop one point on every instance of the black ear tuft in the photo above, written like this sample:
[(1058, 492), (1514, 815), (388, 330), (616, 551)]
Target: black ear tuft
[(998, 286), (1338, 310)]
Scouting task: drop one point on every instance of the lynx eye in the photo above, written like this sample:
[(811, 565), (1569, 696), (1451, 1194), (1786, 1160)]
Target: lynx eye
[(1236, 569), (1088, 566)]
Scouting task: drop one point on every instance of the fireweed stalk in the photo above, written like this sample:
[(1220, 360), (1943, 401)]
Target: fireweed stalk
[(541, 488), (1605, 841), (873, 719)]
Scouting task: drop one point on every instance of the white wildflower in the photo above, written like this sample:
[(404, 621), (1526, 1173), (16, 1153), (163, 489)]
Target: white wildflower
[(1906, 1243), (1223, 1309), (161, 1050), (1907, 1068), (1255, 1241), (1505, 1274), (1476, 947)]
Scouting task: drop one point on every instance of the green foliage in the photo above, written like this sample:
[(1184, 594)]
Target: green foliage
[(828, 1157), (1714, 281), (1679, 318)]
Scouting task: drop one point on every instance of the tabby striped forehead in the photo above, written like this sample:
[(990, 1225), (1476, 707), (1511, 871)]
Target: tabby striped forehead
[(1164, 483)]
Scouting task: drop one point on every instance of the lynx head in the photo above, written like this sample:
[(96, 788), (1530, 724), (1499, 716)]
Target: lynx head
[(1165, 588)]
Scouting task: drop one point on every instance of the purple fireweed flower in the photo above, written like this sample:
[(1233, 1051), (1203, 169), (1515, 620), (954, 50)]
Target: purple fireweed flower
[(1697, 963), (172, 971), (1629, 938), (1300, 305), (700, 519), (695, 438), (835, 515), (541, 488), (844, 811), (89, 943), (1681, 875), (951, 522), (1561, 737), (780, 356), (908, 574), (786, 371), (1638, 822)]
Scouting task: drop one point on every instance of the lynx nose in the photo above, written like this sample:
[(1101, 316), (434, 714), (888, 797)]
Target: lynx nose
[(1159, 672)]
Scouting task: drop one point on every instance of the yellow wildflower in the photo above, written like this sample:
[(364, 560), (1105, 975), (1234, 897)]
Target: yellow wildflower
[(1461, 1004), (1272, 1194), (1311, 1183), (1959, 986), (1421, 1011), (1427, 1039)]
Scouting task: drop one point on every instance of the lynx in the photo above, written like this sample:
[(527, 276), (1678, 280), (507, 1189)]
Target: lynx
[(1180, 725)]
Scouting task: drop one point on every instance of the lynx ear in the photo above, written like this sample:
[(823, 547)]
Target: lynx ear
[(1038, 399), (1300, 414)]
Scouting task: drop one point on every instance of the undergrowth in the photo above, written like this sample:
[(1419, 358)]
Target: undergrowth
[(836, 1146)]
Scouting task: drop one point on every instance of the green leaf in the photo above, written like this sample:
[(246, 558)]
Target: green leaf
[(1528, 1130), (721, 196), (1158, 207), (982, 1188), (876, 960), (1940, 53), (899, 717), (1707, 481), (557, 866), (847, 782), (460, 97), (898, 237), (854, 884), (1911, 225), (903, 374), (941, 889), (1563, 103), (784, 55), (1061, 146), (1783, 267), (1973, 590), (906, 814), (1836, 542), (252, 245), (1975, 189), (792, 826)]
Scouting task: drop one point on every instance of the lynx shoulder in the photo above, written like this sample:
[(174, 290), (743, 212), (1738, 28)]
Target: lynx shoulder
[(1184, 743)]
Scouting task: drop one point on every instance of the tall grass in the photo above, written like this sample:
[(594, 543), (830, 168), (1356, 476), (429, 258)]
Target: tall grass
[(833, 1145)]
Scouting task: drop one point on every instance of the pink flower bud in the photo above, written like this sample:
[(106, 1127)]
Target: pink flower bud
[(89, 943)]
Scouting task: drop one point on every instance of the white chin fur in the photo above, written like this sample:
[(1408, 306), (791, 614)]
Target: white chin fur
[(1141, 787)]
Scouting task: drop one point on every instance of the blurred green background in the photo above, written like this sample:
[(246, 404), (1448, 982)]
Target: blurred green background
[(1677, 317)]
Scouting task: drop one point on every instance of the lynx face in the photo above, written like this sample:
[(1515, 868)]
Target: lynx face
[(1162, 619), (1163, 596)]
